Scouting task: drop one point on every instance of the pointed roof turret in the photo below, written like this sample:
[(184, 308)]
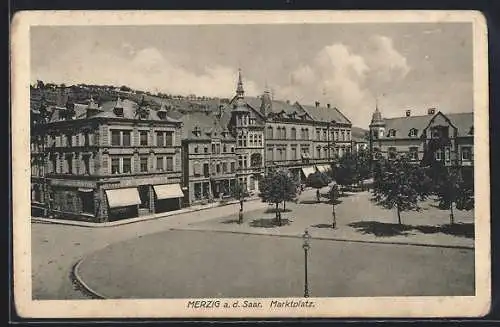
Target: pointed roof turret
[(240, 92), (377, 116)]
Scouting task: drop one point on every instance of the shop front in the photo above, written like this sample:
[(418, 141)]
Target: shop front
[(168, 197), (123, 203)]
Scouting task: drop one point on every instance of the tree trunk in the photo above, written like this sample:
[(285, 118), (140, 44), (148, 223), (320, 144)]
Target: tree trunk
[(452, 217), (284, 206), (317, 195), (334, 224), (399, 213), (278, 216)]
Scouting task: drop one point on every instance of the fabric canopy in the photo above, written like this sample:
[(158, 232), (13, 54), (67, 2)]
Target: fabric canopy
[(308, 171), (123, 197), (168, 191)]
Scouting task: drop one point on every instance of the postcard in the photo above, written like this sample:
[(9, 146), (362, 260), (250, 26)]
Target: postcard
[(250, 164)]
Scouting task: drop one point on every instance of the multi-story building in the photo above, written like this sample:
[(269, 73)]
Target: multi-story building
[(272, 133), (103, 163), (448, 138), (209, 157)]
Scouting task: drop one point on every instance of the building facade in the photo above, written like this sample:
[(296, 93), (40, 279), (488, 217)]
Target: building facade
[(104, 163), (272, 133), (209, 157), (447, 138)]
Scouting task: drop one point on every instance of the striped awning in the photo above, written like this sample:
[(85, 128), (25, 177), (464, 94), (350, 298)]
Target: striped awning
[(168, 191), (123, 197), (323, 168)]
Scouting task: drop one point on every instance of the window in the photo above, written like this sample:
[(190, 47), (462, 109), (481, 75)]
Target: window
[(196, 169), (447, 154), (115, 165), (336, 135), (466, 153), (325, 135), (224, 167), (233, 166), (217, 148), (115, 137), (159, 163), (294, 153), (318, 150), (439, 155), (392, 153), (206, 170), (392, 133), (224, 148), (293, 133), (269, 154), (169, 138), (86, 164), (413, 132), (143, 164), (126, 138), (127, 165), (196, 149), (343, 136), (318, 134), (269, 132), (205, 149), (413, 153), (348, 135), (217, 168), (213, 148), (160, 141), (69, 164), (143, 138), (280, 154), (283, 131), (232, 149), (170, 163)]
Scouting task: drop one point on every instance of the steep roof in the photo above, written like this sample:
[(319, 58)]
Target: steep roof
[(463, 121), (206, 122), (321, 113)]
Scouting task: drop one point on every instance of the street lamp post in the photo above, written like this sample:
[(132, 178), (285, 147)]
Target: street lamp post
[(306, 245)]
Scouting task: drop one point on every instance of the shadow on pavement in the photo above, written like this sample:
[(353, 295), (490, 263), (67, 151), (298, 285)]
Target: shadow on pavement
[(311, 202), (269, 222), (328, 226), (230, 221), (273, 210), (380, 229)]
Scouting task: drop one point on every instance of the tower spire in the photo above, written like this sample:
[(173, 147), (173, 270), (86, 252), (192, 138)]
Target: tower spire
[(240, 92)]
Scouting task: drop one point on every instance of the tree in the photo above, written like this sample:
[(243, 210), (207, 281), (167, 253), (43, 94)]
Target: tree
[(452, 189), (240, 192), (276, 187), (333, 194), (347, 172), (399, 184), (125, 88), (317, 180)]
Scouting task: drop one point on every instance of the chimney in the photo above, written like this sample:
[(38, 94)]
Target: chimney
[(431, 111), (317, 104), (328, 105), (408, 113)]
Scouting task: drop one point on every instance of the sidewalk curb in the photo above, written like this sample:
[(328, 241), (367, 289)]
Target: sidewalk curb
[(131, 220), (81, 284), (322, 238)]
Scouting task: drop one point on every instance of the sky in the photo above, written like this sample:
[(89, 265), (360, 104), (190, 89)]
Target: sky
[(400, 66)]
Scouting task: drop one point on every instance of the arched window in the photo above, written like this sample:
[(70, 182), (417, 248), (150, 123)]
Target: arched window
[(270, 132), (294, 133)]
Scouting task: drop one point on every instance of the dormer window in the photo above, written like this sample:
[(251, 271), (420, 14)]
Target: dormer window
[(413, 132), (471, 130), (162, 114), (118, 111), (196, 131), (392, 133)]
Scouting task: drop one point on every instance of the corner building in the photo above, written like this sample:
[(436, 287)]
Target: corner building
[(104, 163)]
